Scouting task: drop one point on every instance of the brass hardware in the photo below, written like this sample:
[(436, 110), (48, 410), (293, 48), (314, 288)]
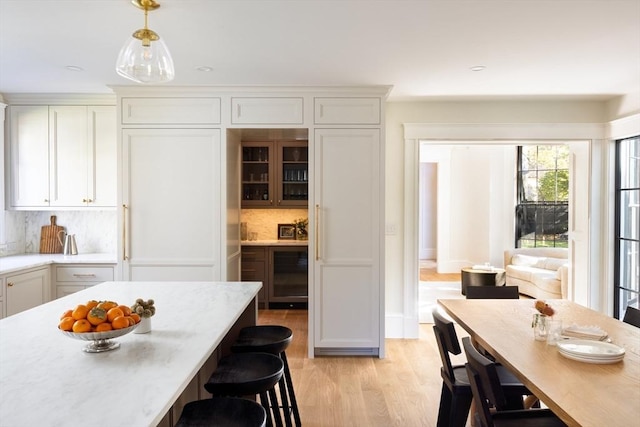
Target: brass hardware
[(84, 200), (124, 233), (145, 34), (46, 200), (10, 284), (90, 200), (317, 234)]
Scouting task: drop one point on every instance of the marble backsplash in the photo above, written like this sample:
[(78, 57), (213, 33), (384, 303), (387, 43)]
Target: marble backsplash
[(96, 231), (265, 221)]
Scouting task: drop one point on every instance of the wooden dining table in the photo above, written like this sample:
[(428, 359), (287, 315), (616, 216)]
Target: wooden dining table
[(581, 394)]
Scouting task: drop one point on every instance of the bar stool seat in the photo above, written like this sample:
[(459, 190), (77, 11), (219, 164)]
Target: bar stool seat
[(274, 339), (222, 412), (249, 374)]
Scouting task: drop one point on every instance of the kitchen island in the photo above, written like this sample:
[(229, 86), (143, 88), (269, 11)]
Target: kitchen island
[(46, 378)]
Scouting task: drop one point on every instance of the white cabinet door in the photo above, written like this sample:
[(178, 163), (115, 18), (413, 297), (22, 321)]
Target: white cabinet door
[(29, 156), (102, 156), (84, 164), (68, 162), (347, 242), (27, 290), (171, 195)]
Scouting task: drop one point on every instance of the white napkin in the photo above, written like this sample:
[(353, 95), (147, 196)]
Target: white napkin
[(483, 267), (585, 332)]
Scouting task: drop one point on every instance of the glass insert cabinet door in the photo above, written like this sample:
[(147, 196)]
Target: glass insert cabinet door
[(293, 174), (257, 174)]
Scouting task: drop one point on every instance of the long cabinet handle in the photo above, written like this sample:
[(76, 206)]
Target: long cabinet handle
[(317, 228), (84, 275), (125, 257)]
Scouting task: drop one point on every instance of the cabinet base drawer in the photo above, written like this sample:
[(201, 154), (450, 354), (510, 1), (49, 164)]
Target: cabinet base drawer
[(84, 274)]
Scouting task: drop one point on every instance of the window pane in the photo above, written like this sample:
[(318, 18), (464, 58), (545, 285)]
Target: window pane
[(563, 157), (629, 265), (630, 214), (530, 186), (546, 157), (630, 163), (529, 157)]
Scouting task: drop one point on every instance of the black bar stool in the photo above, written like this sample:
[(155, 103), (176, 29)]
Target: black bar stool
[(249, 374), (222, 412), (274, 339)]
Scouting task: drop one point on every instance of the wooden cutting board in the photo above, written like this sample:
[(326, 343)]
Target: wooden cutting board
[(49, 243)]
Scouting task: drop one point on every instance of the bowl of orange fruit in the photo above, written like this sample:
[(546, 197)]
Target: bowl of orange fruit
[(98, 322)]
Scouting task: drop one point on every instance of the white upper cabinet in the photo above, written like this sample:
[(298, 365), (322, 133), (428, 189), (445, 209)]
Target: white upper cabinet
[(62, 157), (28, 156), (170, 111), (356, 111), (288, 111)]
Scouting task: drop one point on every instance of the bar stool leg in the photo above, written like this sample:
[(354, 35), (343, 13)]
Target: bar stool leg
[(286, 409), (292, 394), (273, 398)]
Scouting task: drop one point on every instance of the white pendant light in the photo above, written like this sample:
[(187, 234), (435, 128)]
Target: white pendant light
[(144, 58)]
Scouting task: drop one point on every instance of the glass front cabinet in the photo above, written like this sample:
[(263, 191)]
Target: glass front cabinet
[(275, 174)]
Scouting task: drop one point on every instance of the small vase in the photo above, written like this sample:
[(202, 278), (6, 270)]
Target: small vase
[(144, 326), (540, 326)]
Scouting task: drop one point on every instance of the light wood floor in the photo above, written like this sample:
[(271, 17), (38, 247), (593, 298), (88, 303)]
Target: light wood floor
[(403, 389)]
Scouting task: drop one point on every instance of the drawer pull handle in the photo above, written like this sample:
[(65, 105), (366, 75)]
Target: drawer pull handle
[(10, 284), (84, 275)]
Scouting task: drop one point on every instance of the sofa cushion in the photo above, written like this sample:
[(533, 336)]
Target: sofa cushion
[(554, 263), (528, 260), (546, 280)]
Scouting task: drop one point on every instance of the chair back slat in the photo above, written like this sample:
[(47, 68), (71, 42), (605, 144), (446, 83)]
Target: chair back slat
[(632, 316), (489, 379), (492, 292), (447, 340)]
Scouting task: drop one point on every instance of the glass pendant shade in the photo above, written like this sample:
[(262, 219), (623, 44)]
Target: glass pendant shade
[(145, 60)]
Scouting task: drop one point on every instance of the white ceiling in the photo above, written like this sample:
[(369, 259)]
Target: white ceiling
[(423, 48)]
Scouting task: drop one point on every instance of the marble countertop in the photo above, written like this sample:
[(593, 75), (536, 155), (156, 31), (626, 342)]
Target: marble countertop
[(275, 243), (48, 380), (13, 263)]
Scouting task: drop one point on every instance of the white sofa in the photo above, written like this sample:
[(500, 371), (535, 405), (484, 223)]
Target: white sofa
[(540, 273)]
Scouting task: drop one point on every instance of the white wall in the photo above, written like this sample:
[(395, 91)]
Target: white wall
[(428, 209)]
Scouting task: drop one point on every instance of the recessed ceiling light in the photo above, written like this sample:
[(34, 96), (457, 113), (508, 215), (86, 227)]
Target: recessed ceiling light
[(478, 68), (204, 68), (74, 68)]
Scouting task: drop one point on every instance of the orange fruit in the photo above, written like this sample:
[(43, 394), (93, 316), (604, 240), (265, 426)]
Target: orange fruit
[(80, 312), (113, 313), (103, 327), (120, 322), (125, 310), (92, 303), (81, 325), (66, 324), (130, 319), (135, 317), (66, 314), (97, 316), (107, 305)]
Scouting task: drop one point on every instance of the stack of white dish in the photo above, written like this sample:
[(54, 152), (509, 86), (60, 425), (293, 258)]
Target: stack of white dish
[(590, 351)]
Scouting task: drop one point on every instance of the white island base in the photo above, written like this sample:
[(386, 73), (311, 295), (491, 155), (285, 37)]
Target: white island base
[(47, 380)]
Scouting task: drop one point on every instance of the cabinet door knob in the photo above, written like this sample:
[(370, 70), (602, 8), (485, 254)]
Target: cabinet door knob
[(46, 200), (10, 284)]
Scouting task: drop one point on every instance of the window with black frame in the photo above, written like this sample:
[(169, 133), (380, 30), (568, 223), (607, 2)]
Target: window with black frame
[(627, 226), (542, 209)]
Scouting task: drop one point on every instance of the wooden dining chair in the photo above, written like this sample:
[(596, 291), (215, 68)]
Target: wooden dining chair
[(632, 316), (492, 292), (487, 390), (456, 396)]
